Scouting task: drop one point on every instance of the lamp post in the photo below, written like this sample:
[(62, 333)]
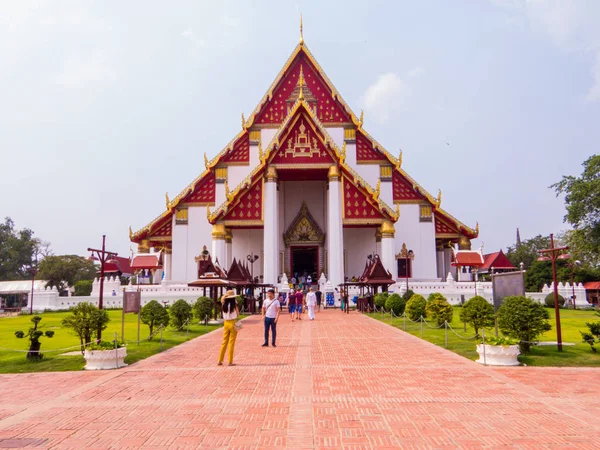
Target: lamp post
[(103, 256), (573, 264), (252, 259), (33, 270), (552, 254)]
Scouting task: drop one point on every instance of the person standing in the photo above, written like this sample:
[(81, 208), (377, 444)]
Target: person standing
[(319, 295), (271, 309), (298, 307), (291, 302), (311, 301), (230, 315), (308, 281)]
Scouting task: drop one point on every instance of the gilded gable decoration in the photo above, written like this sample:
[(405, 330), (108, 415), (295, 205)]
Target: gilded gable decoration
[(304, 229), (303, 144)]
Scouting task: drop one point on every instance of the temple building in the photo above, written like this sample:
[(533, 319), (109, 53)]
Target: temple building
[(308, 190)]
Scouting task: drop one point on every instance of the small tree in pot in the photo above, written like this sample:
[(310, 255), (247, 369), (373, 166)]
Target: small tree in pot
[(34, 336), (85, 321), (524, 319)]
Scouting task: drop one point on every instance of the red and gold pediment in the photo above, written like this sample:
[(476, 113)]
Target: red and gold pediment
[(358, 206), (203, 193), (247, 208), (327, 108), (366, 152), (302, 143), (443, 226), (403, 190), (164, 230), (239, 153)]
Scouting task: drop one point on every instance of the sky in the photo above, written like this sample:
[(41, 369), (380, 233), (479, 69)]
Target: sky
[(107, 105)]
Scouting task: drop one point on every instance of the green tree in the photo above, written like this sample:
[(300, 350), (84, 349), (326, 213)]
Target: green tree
[(396, 304), (379, 300), (203, 309), (477, 312), (18, 251), (415, 307), (582, 201), (154, 314), (85, 321), (549, 300), (34, 335), (83, 288), (65, 270), (439, 309), (528, 252), (524, 319), (180, 312)]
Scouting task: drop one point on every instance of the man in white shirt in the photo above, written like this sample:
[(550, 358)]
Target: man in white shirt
[(311, 301), (271, 308)]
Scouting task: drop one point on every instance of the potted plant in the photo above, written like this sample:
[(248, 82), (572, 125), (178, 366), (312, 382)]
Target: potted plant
[(105, 355), (498, 351)]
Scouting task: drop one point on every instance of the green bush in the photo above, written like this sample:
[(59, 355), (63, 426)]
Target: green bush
[(85, 321), (439, 309), (477, 312), (396, 304), (83, 288), (379, 300), (154, 314), (549, 300), (180, 312), (593, 336), (415, 307), (239, 300), (34, 334), (408, 294), (203, 309), (435, 296), (524, 319)]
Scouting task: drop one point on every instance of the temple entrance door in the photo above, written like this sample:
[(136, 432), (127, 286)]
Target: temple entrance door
[(304, 259)]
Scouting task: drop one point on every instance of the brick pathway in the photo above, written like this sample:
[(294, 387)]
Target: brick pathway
[(342, 381)]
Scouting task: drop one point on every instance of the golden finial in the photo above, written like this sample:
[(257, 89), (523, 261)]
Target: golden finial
[(301, 36), (205, 160), (397, 211), (477, 228), (243, 121), (361, 120), (343, 153), (130, 232), (167, 201), (208, 213), (227, 193), (438, 201), (399, 162), (377, 190), (261, 155)]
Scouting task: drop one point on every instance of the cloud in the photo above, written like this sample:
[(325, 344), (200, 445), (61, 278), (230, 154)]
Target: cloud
[(416, 72), (93, 69), (572, 25), (194, 39), (385, 96)]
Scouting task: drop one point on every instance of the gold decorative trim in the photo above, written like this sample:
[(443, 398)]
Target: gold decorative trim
[(255, 136), (349, 134), (362, 221), (302, 166), (303, 229), (387, 229), (271, 175), (218, 231), (242, 223), (161, 238), (372, 162), (408, 202), (334, 173), (203, 204)]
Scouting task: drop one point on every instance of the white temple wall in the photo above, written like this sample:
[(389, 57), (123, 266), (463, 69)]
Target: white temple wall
[(337, 134), (387, 193), (266, 135), (420, 238), (281, 228), (180, 250), (220, 196), (369, 172), (235, 175), (246, 241), (294, 193), (358, 243)]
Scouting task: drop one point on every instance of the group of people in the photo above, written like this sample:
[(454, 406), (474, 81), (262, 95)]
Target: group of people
[(271, 309)]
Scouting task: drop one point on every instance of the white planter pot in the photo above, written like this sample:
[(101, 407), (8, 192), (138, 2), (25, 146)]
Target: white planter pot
[(498, 355), (105, 359)]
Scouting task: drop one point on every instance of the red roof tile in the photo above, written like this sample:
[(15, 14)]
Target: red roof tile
[(118, 264), (592, 285), (468, 258), (497, 260), (146, 261)]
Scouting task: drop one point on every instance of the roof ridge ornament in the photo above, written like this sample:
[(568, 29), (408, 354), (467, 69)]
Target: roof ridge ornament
[(438, 200), (399, 161), (361, 120), (167, 201), (301, 35)]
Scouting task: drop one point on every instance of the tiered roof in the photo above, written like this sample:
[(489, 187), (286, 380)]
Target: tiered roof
[(318, 104)]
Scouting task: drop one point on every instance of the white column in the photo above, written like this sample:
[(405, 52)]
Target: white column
[(388, 248), (270, 232), (439, 255), (335, 235), (228, 249), (167, 265), (218, 244)]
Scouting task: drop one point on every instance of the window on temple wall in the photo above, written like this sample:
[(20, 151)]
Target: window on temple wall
[(221, 174), (385, 172), (425, 213), (404, 268), (181, 216)]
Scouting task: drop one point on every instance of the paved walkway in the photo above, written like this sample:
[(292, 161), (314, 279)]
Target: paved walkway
[(342, 381)]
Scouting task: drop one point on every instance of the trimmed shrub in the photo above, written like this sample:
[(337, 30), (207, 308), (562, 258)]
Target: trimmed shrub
[(84, 321), (436, 296), (439, 309), (396, 304), (549, 300), (524, 319), (82, 288), (180, 312), (477, 312), (154, 314), (415, 307), (593, 337), (408, 294), (34, 334), (380, 299), (203, 309)]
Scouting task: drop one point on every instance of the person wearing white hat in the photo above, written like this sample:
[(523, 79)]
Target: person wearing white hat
[(230, 315)]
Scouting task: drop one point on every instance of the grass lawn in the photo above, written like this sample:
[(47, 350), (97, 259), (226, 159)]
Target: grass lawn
[(462, 342), (53, 361)]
